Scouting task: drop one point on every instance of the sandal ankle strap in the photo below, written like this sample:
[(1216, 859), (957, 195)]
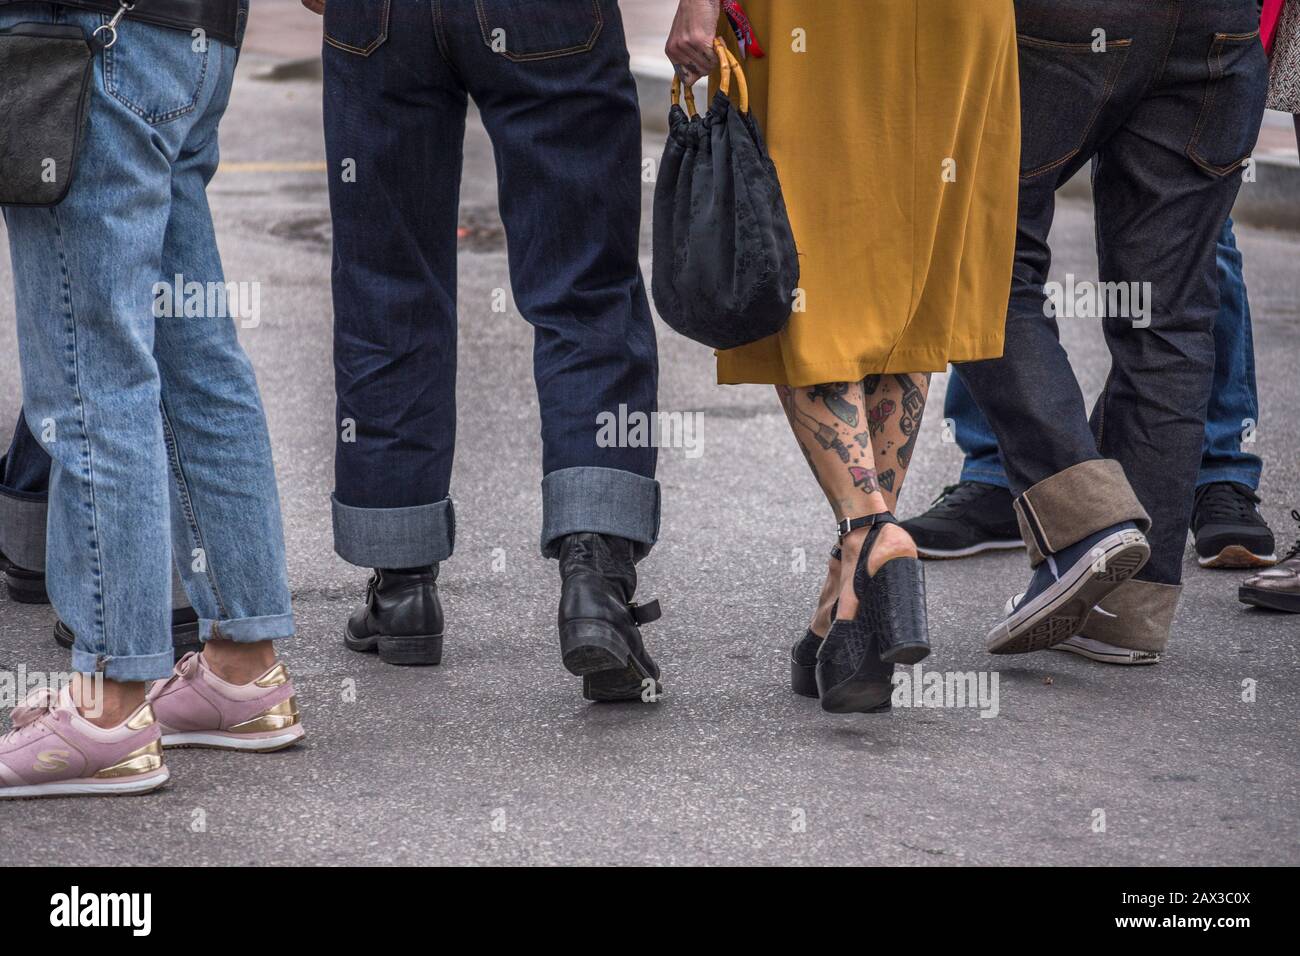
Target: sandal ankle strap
[(865, 521)]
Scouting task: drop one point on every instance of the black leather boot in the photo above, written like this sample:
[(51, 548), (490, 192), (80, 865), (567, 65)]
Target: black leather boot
[(401, 619), (25, 587), (599, 634)]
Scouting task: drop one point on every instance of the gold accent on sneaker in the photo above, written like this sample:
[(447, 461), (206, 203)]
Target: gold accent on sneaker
[(145, 760), (282, 715), (141, 719), (277, 675)]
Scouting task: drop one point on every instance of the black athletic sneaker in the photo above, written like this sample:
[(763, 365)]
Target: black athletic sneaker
[(1230, 532), (966, 518)]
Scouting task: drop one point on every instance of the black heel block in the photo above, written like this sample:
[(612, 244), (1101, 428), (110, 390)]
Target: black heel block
[(892, 601), (855, 665)]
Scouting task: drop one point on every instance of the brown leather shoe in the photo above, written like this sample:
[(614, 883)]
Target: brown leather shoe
[(1277, 588)]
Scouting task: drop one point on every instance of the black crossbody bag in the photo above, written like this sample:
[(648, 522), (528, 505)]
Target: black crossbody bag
[(45, 75)]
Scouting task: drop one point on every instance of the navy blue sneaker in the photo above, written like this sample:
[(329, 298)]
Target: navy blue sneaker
[(1066, 587)]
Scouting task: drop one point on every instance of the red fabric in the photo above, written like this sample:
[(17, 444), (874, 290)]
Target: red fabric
[(746, 39), (1268, 24)]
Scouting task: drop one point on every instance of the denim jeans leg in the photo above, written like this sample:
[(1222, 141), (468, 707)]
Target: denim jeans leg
[(395, 112), (86, 287), (225, 508), (566, 130), (1177, 160), (973, 434), (24, 486), (1234, 402)]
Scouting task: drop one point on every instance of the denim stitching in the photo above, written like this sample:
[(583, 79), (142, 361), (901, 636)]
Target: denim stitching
[(374, 44), (153, 119), (1108, 90), (1215, 62), (97, 569), (187, 505), (545, 54)]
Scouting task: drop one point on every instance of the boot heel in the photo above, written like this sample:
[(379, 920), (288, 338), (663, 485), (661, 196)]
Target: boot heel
[(892, 607), (411, 650)]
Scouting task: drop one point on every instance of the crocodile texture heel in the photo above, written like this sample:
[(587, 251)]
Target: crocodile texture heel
[(891, 606)]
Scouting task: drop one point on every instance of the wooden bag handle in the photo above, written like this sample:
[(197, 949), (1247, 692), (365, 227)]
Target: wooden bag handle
[(729, 65)]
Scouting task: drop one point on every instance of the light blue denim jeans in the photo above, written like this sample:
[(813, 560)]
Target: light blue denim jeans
[(154, 424)]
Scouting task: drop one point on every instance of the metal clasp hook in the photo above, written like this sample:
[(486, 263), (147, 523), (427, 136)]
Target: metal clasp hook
[(111, 26)]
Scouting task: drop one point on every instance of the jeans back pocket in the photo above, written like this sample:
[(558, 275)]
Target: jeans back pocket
[(158, 73), (522, 30), (357, 26), (1063, 89), (1233, 103)]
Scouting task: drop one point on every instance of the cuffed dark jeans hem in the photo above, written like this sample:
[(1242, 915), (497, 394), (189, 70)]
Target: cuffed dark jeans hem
[(600, 501), (22, 529), (394, 537), (1070, 505)]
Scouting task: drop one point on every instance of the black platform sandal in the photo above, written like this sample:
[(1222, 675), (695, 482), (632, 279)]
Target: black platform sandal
[(803, 656), (855, 665)]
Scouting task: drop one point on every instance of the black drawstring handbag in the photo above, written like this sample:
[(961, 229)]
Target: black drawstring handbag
[(725, 264), (45, 75)]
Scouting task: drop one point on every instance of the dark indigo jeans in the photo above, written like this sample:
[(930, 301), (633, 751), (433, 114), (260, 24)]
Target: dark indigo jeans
[(1167, 114), (553, 85), (1234, 400)]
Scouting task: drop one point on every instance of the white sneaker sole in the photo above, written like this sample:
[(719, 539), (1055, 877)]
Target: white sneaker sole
[(1114, 655), (89, 788), (934, 554), (1060, 611), (216, 740)]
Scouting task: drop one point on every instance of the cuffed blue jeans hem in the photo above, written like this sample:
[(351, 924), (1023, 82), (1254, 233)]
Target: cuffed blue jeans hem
[(248, 630), (394, 537), (133, 668), (600, 501), (990, 476), (1241, 475), (22, 528)]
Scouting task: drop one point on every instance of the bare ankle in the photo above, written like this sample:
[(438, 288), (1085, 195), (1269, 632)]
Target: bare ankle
[(238, 663), (106, 703)]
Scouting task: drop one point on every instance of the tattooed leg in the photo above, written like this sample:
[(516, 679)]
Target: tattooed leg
[(860, 472), (894, 420)]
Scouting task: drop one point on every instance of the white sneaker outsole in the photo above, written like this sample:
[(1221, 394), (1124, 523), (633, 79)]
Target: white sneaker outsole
[(216, 740), (1059, 612), (89, 788)]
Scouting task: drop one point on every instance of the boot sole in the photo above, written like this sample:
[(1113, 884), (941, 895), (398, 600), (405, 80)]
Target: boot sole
[(27, 590), (609, 670), (412, 650), (1289, 603), (1060, 612)]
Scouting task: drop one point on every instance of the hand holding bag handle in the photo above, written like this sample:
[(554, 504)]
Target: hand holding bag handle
[(729, 65)]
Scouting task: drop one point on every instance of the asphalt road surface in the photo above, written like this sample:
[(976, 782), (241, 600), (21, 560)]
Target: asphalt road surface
[(495, 758)]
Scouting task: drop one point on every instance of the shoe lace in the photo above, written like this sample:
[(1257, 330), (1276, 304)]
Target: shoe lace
[(35, 705), (186, 668), (1294, 550), (955, 497), (1226, 502)]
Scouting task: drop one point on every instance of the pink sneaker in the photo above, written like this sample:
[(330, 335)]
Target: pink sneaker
[(53, 751), (196, 708)]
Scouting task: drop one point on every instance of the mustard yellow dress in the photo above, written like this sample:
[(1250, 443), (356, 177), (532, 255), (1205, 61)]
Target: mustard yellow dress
[(895, 129)]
